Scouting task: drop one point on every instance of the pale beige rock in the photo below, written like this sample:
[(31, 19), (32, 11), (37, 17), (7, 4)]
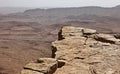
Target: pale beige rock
[(89, 31), (107, 38), (87, 52), (42, 66), (37, 67), (30, 72), (70, 31), (80, 51), (47, 60)]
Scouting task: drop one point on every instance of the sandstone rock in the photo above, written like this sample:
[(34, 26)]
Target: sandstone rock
[(30, 72), (87, 52), (37, 67), (89, 31), (107, 38), (69, 31), (80, 51), (42, 66), (47, 60)]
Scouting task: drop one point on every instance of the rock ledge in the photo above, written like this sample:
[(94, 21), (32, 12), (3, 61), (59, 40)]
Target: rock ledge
[(80, 51)]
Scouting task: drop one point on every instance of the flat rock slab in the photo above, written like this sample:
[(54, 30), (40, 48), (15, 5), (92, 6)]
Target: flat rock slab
[(42, 66)]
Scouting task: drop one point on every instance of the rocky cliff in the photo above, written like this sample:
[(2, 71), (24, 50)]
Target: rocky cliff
[(80, 51)]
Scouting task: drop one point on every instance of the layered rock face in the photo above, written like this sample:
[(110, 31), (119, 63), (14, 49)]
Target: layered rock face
[(80, 51)]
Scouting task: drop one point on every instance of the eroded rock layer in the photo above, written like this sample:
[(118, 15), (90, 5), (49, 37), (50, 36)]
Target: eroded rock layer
[(87, 52), (80, 51)]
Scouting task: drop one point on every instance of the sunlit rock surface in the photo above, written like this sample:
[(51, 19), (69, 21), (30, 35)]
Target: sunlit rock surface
[(80, 51)]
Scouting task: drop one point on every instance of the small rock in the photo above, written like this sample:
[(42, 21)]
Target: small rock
[(61, 63)]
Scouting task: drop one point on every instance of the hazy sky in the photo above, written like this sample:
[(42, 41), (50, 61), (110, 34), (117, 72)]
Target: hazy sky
[(58, 3)]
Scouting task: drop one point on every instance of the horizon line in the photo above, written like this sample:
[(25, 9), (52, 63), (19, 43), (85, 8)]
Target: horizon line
[(47, 7)]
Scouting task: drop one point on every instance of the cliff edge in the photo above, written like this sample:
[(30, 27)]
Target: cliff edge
[(80, 51)]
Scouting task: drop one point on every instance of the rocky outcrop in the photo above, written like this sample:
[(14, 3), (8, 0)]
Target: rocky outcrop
[(69, 31), (87, 52), (43, 66), (80, 51)]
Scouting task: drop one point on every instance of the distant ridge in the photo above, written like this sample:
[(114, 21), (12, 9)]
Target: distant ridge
[(7, 10), (75, 11)]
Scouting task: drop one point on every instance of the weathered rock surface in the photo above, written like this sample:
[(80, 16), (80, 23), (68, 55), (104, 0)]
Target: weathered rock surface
[(87, 52), (80, 51), (69, 31), (42, 66)]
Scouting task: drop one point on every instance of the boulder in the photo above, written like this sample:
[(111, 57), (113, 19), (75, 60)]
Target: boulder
[(70, 31), (42, 66), (107, 38), (89, 31)]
